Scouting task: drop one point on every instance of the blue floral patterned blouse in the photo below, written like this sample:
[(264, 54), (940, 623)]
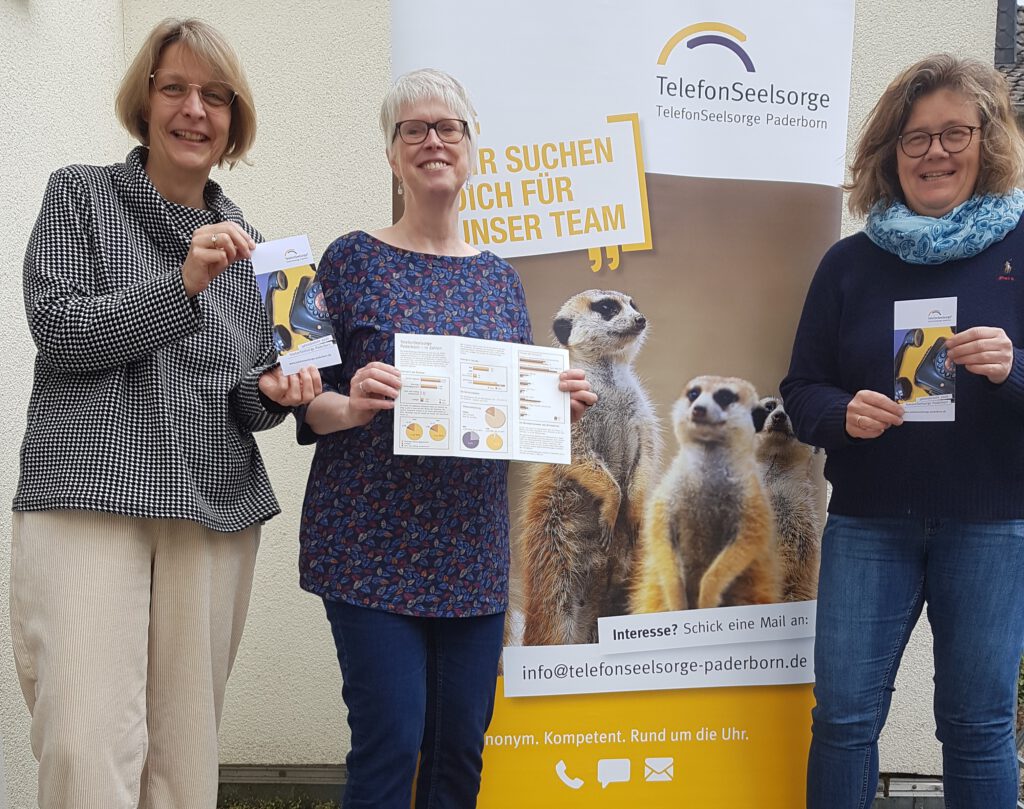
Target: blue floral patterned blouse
[(425, 536)]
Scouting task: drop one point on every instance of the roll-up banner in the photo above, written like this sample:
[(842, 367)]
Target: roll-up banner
[(664, 177)]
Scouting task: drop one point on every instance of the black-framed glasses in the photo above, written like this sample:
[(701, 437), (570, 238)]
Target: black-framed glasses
[(449, 130), (175, 88), (953, 139)]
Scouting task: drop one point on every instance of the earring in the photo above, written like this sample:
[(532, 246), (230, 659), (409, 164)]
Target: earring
[(400, 191)]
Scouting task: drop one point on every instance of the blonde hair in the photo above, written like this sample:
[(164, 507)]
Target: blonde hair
[(873, 173), (208, 46), (428, 84)]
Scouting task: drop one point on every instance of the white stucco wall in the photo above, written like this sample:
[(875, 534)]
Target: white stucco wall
[(3, 780), (59, 66), (318, 69)]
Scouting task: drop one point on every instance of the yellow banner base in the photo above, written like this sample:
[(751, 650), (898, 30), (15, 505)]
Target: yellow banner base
[(727, 748)]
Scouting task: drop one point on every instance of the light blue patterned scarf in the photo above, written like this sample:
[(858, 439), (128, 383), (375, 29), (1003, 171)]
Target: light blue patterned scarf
[(964, 232)]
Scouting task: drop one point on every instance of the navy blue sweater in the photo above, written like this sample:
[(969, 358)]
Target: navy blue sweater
[(971, 469)]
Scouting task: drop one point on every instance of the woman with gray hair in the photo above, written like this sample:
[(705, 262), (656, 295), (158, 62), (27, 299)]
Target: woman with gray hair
[(142, 491), (922, 514), (410, 554)]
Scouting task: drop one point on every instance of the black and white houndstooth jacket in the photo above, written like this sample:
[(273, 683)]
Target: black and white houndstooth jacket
[(144, 402)]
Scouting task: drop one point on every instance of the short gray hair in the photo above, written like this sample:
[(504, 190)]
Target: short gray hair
[(428, 84)]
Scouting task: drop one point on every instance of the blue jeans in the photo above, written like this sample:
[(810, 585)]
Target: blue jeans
[(876, 575), (416, 689)]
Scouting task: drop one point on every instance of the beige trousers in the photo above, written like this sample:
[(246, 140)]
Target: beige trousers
[(124, 633)]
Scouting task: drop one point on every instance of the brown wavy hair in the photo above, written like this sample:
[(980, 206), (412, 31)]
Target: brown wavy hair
[(208, 46), (873, 174)]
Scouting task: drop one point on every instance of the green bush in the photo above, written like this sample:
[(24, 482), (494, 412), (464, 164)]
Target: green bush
[(1020, 701)]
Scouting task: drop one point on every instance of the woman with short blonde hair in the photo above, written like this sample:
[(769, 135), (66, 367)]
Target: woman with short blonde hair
[(208, 46), (141, 493)]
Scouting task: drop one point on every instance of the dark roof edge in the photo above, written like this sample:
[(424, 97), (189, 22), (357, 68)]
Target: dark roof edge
[(1006, 32)]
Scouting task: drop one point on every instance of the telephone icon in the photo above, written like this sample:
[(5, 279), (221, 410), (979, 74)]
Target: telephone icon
[(572, 783)]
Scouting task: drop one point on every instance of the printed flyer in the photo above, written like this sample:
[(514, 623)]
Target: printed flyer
[(299, 320), (922, 381), (665, 214), (476, 398)]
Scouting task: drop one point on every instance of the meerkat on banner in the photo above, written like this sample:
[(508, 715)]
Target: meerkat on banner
[(786, 468), (582, 521), (709, 537)]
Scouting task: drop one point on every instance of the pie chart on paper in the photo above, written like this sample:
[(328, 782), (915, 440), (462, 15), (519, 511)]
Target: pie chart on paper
[(494, 442), (414, 431), (495, 417), (470, 440), (437, 432)]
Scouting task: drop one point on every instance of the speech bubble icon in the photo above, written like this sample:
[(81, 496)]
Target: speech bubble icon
[(612, 771)]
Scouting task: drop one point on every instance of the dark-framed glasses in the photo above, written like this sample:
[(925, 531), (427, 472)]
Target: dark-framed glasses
[(175, 88), (449, 130), (953, 139)]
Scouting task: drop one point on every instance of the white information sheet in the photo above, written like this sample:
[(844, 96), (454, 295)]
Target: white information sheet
[(922, 382), (480, 399)]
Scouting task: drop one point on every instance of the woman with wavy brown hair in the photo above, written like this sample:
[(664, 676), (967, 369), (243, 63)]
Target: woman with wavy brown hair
[(923, 515)]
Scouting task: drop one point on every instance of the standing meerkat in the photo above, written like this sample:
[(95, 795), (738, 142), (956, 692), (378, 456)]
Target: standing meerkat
[(709, 537), (786, 468), (582, 521)]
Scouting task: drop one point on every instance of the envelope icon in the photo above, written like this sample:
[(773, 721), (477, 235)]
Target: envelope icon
[(659, 769)]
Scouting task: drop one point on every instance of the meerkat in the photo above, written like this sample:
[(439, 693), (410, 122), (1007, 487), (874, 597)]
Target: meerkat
[(709, 537), (786, 469), (582, 521)]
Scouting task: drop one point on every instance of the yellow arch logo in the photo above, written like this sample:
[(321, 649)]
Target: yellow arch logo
[(703, 28)]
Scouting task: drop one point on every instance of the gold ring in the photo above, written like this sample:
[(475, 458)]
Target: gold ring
[(213, 238), (860, 420)]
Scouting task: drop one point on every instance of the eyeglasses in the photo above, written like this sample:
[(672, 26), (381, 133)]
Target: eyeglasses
[(174, 88), (450, 130), (953, 139)]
